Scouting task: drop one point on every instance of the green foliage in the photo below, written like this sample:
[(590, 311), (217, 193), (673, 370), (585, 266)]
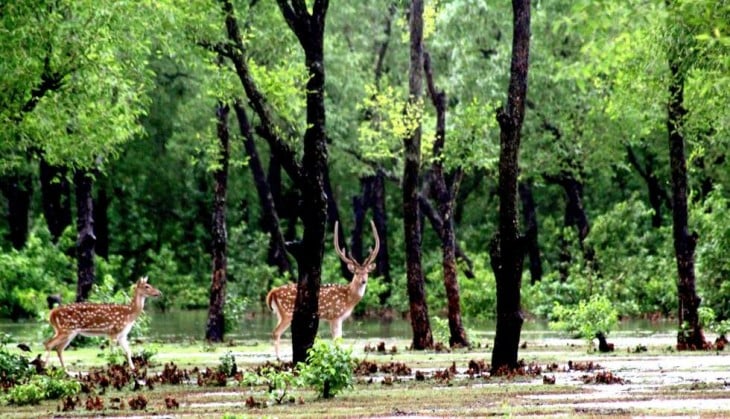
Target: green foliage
[(278, 383), (586, 319), (178, 289), (13, 367), (708, 320), (227, 364), (713, 266), (329, 368), (37, 270), (42, 387)]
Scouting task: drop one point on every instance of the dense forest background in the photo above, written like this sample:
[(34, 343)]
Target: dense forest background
[(118, 108)]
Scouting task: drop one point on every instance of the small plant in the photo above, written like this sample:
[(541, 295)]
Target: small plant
[(42, 387), (279, 383), (329, 368), (228, 364), (440, 329), (588, 320), (13, 367), (708, 320)]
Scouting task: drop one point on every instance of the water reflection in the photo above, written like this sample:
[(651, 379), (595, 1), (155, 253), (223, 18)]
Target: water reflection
[(174, 325)]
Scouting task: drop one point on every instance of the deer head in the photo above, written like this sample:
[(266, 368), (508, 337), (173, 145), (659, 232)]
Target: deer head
[(360, 271)]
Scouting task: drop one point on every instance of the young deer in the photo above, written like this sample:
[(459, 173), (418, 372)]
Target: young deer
[(89, 319), (335, 301)]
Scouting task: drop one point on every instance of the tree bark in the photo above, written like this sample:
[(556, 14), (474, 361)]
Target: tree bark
[(529, 211), (18, 189), (690, 336), (422, 337), (657, 194), (444, 196), (86, 238), (507, 249), (270, 218), (55, 198), (215, 328), (309, 30), (101, 221)]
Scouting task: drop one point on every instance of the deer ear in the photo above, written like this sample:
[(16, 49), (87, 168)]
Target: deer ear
[(371, 267), (351, 267), (143, 280)]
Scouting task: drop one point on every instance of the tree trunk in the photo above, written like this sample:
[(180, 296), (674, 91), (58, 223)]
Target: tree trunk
[(507, 249), (372, 196), (270, 218), (215, 328), (422, 337), (444, 196), (309, 29), (529, 211), (690, 336), (55, 198), (101, 221), (18, 189), (86, 238), (657, 194)]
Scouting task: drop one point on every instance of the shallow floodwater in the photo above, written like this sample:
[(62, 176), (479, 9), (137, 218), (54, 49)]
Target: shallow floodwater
[(178, 324)]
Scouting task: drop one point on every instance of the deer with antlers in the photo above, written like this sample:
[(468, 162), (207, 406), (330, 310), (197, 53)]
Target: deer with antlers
[(91, 319), (336, 301)]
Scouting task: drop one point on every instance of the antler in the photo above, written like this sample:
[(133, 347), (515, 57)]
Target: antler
[(347, 259), (339, 250), (374, 253)]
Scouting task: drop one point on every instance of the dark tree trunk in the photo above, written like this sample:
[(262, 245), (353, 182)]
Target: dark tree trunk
[(18, 189), (444, 196), (101, 221), (86, 238), (420, 323), (575, 214), (507, 249), (55, 198), (690, 336), (529, 210), (657, 194), (215, 328), (380, 217), (333, 214), (372, 196), (270, 218), (309, 29)]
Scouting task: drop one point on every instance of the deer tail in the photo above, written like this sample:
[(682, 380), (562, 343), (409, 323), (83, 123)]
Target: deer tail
[(270, 298)]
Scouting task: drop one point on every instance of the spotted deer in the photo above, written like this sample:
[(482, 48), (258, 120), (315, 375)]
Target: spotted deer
[(336, 301), (92, 319)]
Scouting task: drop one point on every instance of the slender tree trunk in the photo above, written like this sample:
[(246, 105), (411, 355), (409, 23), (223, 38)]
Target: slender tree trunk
[(422, 337), (86, 238), (657, 194), (101, 221), (270, 219), (55, 198), (529, 211), (215, 328), (445, 196), (507, 249), (380, 217), (18, 189), (690, 335)]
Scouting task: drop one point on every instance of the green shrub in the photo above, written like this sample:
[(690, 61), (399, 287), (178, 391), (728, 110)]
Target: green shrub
[(42, 387), (329, 368), (587, 319)]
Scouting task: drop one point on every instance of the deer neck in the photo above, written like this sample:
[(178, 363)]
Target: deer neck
[(137, 304), (357, 290)]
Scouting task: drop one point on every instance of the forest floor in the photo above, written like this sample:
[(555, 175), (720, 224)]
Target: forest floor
[(644, 377)]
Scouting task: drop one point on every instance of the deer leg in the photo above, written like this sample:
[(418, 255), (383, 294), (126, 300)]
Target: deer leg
[(122, 341), (281, 326), (336, 328), (59, 341)]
